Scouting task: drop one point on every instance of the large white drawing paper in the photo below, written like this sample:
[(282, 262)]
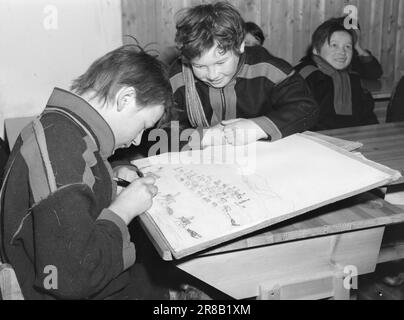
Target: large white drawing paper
[(206, 197)]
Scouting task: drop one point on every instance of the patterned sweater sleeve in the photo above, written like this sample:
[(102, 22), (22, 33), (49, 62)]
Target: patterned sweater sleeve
[(86, 244)]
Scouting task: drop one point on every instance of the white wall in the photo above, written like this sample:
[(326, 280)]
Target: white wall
[(48, 43)]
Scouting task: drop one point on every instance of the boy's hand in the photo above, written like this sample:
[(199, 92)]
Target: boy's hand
[(358, 47), (214, 136), (135, 199), (127, 173), (240, 132)]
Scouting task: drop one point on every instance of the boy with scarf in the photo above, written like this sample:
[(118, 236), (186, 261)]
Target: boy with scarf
[(225, 90), (342, 100)]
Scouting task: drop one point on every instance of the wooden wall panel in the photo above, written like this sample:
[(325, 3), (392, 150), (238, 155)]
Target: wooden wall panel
[(277, 32), (251, 10), (388, 51), (399, 63), (287, 25), (139, 20), (366, 18), (376, 29), (299, 43), (289, 32), (334, 8), (165, 14)]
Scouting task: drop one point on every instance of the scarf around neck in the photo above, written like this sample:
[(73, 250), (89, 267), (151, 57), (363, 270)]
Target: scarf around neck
[(342, 86), (195, 112)]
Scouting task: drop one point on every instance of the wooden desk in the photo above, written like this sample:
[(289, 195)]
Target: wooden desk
[(318, 243), (382, 143), (304, 257), (381, 90)]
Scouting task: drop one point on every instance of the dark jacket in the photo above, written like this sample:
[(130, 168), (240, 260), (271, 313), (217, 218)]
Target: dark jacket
[(322, 88), (366, 66), (4, 153), (55, 216), (395, 110), (265, 89)]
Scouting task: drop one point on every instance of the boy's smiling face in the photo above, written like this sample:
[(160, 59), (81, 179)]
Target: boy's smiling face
[(339, 51), (216, 67)]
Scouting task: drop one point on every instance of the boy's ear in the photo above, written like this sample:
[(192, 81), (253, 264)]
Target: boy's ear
[(125, 97), (316, 52), (242, 47)]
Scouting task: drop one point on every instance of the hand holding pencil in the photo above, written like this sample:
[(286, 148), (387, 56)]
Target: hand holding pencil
[(137, 197)]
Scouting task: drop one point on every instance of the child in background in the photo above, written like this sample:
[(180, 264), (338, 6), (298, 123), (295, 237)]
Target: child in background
[(228, 89), (338, 91), (254, 35)]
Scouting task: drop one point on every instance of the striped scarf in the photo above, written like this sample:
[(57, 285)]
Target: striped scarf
[(196, 114), (342, 86)]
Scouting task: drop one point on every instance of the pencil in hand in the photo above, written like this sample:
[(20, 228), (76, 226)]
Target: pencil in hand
[(121, 182)]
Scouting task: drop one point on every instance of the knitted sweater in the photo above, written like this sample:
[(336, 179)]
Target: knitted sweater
[(264, 89), (322, 88), (55, 229)]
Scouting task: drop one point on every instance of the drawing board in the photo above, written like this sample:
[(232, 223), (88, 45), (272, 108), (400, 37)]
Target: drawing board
[(217, 194)]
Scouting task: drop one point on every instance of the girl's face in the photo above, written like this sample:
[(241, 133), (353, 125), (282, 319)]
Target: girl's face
[(339, 51)]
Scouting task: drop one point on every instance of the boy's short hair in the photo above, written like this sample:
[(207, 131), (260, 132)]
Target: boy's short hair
[(325, 31), (129, 66), (200, 27), (255, 31)]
